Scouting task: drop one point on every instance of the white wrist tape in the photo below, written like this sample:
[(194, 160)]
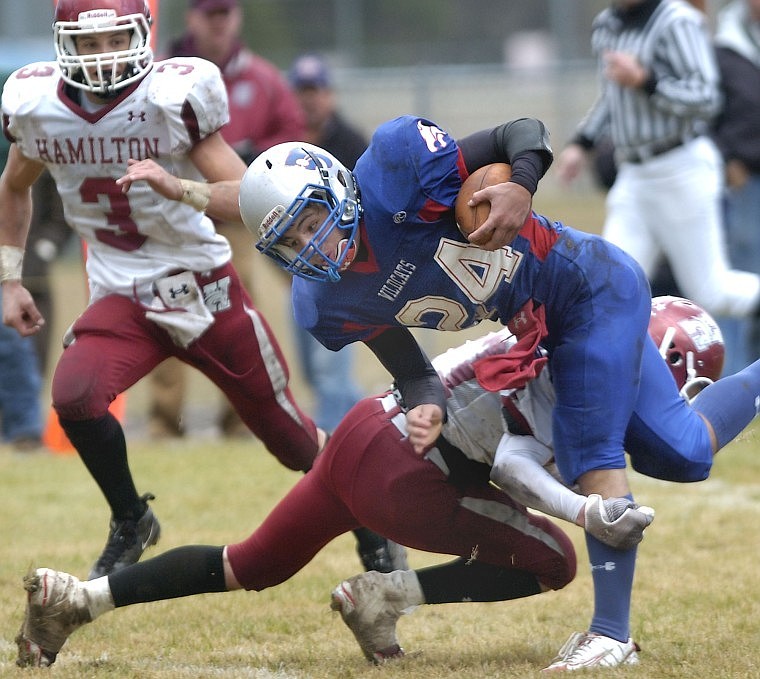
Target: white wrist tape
[(195, 194), (11, 259)]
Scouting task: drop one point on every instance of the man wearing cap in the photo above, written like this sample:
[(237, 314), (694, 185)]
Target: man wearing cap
[(325, 126), (263, 112), (263, 109), (328, 373)]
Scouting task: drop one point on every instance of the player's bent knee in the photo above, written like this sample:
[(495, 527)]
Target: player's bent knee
[(683, 470)]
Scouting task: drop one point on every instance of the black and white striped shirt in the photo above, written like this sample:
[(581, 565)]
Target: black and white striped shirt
[(671, 40)]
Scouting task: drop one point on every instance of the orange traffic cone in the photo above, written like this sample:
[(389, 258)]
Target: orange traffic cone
[(55, 438)]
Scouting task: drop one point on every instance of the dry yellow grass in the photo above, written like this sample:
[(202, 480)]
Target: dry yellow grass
[(696, 604)]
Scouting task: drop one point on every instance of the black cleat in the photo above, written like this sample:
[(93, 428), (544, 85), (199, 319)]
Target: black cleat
[(127, 540)]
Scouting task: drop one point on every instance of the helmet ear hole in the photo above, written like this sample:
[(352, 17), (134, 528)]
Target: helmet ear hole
[(675, 358)]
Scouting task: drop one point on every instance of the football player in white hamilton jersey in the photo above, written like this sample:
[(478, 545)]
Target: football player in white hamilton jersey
[(160, 279)]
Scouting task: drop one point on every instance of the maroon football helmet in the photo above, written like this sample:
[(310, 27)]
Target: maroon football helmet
[(689, 340), (107, 72)]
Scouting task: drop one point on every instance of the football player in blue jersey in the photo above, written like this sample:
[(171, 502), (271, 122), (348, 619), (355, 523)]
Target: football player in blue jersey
[(377, 250)]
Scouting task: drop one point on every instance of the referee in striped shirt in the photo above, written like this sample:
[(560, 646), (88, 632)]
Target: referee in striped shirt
[(659, 93)]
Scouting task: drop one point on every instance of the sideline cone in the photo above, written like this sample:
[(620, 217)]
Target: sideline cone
[(56, 440)]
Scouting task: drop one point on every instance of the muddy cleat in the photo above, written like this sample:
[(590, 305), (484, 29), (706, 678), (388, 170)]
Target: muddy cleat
[(56, 606), (378, 553), (370, 604), (127, 540), (585, 650), (617, 521)]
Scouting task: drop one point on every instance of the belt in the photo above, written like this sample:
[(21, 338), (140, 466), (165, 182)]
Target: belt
[(653, 150)]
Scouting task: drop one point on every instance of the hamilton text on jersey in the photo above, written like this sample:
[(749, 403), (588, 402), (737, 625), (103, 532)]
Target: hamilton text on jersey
[(96, 150)]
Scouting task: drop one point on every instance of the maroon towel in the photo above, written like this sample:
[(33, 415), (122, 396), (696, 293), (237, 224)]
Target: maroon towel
[(521, 363)]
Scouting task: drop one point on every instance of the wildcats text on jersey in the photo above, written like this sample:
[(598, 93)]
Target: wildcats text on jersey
[(95, 150), (402, 272)]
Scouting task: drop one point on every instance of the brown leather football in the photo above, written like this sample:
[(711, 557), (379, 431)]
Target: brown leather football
[(470, 218)]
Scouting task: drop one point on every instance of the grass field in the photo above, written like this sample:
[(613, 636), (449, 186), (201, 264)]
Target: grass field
[(696, 606)]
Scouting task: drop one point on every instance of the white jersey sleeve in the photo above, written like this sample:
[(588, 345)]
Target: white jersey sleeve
[(191, 93), (536, 402), (520, 469), (474, 421), (520, 464), (22, 93)]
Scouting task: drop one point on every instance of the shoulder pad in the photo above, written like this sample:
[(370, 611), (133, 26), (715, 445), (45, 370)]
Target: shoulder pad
[(28, 84), (195, 81)]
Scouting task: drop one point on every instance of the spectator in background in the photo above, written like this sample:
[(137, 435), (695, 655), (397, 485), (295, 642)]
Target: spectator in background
[(23, 360), (20, 387), (328, 373), (310, 77), (263, 111), (263, 108), (737, 134), (659, 94)]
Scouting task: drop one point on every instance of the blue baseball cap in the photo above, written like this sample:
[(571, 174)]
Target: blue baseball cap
[(309, 70)]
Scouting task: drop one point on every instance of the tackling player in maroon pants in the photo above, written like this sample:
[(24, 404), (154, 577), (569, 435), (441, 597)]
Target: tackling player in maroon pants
[(368, 474)]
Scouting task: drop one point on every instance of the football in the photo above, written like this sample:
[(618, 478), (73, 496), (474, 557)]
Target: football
[(470, 218)]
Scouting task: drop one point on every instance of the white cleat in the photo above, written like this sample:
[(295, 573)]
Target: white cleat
[(617, 521), (584, 650), (56, 606), (370, 605)]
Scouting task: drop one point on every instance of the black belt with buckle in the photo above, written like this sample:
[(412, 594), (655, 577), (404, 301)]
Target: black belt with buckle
[(654, 150)]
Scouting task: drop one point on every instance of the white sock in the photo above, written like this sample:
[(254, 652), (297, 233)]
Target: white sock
[(408, 585), (98, 595)]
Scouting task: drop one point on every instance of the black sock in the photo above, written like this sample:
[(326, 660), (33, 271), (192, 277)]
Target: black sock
[(101, 445), (184, 571), (367, 541), (457, 581)]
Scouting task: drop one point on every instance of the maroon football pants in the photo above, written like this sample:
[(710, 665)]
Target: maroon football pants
[(116, 345), (368, 475)]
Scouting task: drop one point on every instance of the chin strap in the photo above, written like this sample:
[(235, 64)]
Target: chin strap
[(350, 248), (694, 383)]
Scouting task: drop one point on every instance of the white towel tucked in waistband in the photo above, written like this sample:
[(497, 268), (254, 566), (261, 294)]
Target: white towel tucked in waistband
[(179, 309)]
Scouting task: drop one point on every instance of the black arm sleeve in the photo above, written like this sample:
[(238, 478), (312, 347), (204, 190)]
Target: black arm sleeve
[(412, 370), (523, 143)]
